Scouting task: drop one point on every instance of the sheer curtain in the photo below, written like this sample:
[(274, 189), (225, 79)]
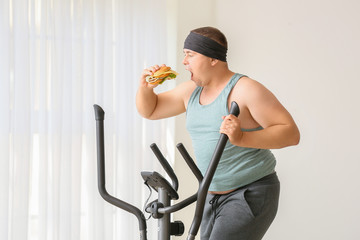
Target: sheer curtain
[(58, 58)]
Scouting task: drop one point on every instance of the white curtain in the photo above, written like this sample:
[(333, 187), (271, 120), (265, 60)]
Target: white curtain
[(58, 58)]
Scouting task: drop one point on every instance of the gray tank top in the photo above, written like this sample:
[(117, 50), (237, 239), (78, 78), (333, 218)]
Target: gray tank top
[(238, 166)]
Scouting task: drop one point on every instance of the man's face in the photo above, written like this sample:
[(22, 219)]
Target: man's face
[(197, 64)]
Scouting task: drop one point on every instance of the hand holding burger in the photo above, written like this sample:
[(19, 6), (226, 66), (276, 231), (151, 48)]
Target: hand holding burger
[(161, 75)]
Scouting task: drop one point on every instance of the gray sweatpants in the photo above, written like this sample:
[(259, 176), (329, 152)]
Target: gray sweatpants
[(244, 214)]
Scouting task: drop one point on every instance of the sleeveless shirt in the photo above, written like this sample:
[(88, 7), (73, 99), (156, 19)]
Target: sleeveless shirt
[(238, 166)]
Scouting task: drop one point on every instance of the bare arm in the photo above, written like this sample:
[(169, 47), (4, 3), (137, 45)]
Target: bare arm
[(279, 131), (146, 100), (157, 106)]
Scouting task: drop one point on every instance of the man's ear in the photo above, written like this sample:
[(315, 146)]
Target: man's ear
[(213, 61)]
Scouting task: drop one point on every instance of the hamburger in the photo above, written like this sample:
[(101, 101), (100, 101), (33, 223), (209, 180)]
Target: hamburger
[(161, 75)]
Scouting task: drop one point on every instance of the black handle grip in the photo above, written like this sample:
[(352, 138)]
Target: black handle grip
[(234, 109), (165, 164), (184, 203), (204, 186), (99, 113), (190, 162)]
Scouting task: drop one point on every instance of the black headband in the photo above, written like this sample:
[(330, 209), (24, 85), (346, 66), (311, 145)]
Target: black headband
[(205, 46)]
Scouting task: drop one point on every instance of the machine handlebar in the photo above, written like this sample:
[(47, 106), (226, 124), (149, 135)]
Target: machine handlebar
[(99, 116), (204, 182)]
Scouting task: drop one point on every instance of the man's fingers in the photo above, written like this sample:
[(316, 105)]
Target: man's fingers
[(151, 70)]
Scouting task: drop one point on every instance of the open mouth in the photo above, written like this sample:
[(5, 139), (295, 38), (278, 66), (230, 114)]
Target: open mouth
[(191, 73)]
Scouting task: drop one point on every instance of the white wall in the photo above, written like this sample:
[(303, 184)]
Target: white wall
[(306, 52)]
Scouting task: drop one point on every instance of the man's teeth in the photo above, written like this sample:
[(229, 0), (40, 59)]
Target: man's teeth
[(151, 80)]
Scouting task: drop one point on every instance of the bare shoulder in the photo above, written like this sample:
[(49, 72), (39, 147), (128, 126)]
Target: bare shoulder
[(173, 102), (248, 89), (181, 90), (244, 89), (185, 89), (187, 86), (261, 104), (245, 83)]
